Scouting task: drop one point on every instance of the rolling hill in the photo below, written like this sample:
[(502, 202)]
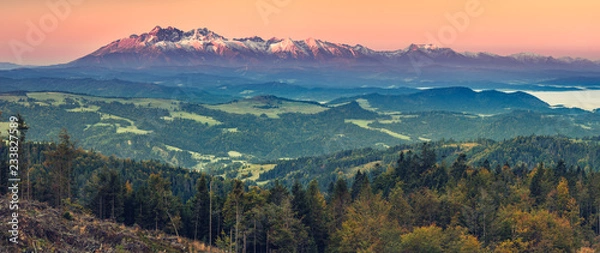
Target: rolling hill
[(110, 88), (524, 152), (452, 99), (262, 128)]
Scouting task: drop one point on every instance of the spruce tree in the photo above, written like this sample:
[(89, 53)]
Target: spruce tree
[(59, 160)]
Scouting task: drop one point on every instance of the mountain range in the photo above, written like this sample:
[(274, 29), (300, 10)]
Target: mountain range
[(203, 59), (455, 99), (173, 47), (9, 66)]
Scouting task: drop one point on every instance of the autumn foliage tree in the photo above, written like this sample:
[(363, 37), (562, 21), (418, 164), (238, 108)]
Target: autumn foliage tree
[(417, 204)]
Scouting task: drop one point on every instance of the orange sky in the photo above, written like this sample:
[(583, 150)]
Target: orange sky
[(548, 27)]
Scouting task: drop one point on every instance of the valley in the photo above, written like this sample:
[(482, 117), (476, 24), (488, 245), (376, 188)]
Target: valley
[(214, 137)]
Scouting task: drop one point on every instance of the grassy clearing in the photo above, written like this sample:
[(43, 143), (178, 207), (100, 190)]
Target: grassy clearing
[(172, 148), (132, 128), (105, 116), (195, 117), (58, 98), (201, 159), (464, 146), (408, 116), (469, 145), (254, 170), (4, 126), (90, 108), (363, 168), (365, 124), (166, 104), (50, 98), (234, 154), (395, 120), (360, 123), (365, 104), (241, 107), (13, 99), (230, 130), (254, 108)]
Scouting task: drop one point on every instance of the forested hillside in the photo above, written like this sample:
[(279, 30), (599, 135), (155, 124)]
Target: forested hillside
[(192, 135), (203, 136), (455, 99), (433, 197), (524, 153), (108, 88)]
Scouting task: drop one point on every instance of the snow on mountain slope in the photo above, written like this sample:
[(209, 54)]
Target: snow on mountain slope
[(171, 46)]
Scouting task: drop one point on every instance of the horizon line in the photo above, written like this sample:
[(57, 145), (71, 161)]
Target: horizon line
[(442, 46)]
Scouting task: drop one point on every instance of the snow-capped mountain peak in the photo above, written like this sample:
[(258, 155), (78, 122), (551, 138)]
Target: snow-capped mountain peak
[(171, 46), (527, 56), (414, 47), (287, 45)]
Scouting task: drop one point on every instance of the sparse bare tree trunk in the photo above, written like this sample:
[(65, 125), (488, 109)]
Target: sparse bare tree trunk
[(100, 208), (237, 225), (173, 223), (197, 211), (28, 185), (244, 244), (60, 161), (156, 220)]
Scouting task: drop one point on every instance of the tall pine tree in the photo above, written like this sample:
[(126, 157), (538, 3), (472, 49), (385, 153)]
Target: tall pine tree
[(59, 161)]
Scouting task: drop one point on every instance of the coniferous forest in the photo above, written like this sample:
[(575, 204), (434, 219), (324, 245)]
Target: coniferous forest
[(414, 202), (281, 126)]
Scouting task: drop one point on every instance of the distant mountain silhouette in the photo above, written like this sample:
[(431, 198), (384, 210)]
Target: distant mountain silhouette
[(452, 99)]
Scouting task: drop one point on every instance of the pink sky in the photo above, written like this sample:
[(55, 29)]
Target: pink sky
[(557, 28)]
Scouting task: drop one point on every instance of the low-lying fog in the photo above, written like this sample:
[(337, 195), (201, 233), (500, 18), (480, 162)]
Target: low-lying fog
[(584, 99)]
